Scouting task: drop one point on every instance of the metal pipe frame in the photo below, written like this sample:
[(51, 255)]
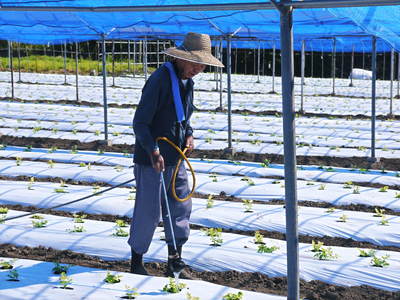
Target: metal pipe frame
[(145, 58), (273, 67), (333, 65), (303, 63), (10, 57), (391, 81), (352, 67), (220, 55), (228, 73), (398, 75), (289, 142), (129, 56), (258, 61), (76, 72), (113, 61), (373, 98), (104, 73), (65, 63), (209, 7), (19, 62)]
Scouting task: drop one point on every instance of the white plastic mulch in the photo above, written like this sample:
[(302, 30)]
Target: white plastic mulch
[(236, 252), (37, 282)]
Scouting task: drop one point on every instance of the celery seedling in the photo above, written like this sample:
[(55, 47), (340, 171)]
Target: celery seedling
[(112, 278), (173, 287)]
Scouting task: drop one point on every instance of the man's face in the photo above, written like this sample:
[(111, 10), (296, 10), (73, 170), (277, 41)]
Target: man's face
[(188, 69)]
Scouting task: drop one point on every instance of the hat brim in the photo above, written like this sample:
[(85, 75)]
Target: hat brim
[(200, 57)]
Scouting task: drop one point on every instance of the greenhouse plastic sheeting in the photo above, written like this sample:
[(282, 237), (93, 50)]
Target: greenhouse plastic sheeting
[(59, 26)]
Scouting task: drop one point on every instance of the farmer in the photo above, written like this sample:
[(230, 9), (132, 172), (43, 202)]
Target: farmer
[(162, 113)]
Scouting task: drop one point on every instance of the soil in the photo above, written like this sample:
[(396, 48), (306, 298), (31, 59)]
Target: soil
[(345, 162), (313, 290)]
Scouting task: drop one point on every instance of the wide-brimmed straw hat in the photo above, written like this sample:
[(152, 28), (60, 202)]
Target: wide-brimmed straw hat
[(196, 48)]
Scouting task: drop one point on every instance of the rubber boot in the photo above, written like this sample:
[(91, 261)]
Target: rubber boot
[(137, 266)]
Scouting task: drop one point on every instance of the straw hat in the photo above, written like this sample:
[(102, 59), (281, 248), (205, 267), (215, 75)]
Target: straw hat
[(196, 48)]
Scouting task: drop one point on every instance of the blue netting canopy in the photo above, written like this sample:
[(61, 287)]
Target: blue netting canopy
[(42, 22)]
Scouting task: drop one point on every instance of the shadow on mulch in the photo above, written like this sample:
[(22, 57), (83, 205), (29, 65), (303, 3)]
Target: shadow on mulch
[(313, 290)]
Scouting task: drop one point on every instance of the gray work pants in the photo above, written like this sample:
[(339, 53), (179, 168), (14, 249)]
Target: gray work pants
[(150, 201)]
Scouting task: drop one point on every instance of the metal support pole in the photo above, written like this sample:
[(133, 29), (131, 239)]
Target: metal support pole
[(288, 109), (103, 50), (384, 65), (398, 75), (65, 63), (333, 65), (221, 49), (158, 53), (363, 59), (216, 68), (373, 96), (236, 59), (113, 61), (19, 62), (134, 58), (228, 72), (352, 67), (273, 67), (391, 81), (258, 61), (342, 65), (76, 71), (10, 57), (303, 62), (129, 56), (312, 63), (322, 64), (145, 58)]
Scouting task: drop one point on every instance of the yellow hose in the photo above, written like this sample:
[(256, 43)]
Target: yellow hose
[(183, 156)]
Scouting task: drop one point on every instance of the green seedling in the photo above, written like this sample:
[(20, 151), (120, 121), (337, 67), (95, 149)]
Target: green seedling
[(58, 268), (3, 210), (2, 218), (384, 189), (210, 201), (37, 217), (190, 297), (30, 183), (82, 165), (316, 246), (379, 212), (215, 235), (74, 149), (326, 254), (39, 224), (52, 149), (310, 183), (54, 130), (28, 148), (365, 253), (275, 182), (379, 261), (36, 129), (248, 205), (265, 249), (89, 166), (96, 188), (13, 275), (62, 183), (130, 292), (266, 163), (348, 185), (258, 238), (234, 162), (208, 140), (112, 278), (397, 195), (173, 287), (356, 189), (248, 180), (214, 177), (79, 218), (50, 163), (7, 265), (18, 161), (384, 221), (77, 228), (119, 168), (121, 223), (60, 190), (131, 197), (330, 210), (322, 187), (343, 218), (120, 232), (65, 281), (233, 296)]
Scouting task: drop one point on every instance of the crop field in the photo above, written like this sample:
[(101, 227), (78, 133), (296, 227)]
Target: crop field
[(52, 152)]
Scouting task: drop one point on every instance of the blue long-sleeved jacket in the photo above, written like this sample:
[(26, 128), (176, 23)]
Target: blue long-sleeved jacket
[(155, 116)]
